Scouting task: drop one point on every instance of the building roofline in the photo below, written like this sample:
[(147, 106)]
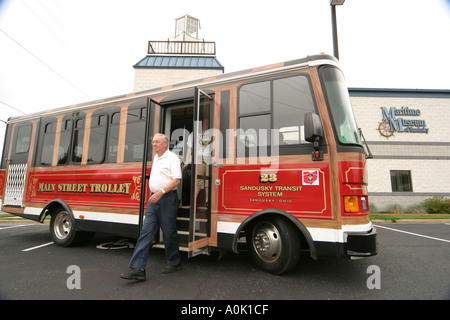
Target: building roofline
[(398, 92)]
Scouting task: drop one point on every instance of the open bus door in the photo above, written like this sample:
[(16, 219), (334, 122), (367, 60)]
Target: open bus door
[(200, 183), (148, 124)]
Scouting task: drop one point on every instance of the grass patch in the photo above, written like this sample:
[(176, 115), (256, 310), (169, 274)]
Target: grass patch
[(7, 216)]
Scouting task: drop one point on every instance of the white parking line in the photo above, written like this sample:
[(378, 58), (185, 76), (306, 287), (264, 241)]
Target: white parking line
[(414, 234), (37, 247), (32, 248), (20, 225)]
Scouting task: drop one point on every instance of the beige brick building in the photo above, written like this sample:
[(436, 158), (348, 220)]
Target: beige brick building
[(408, 134)]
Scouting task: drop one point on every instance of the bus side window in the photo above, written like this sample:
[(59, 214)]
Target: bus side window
[(23, 139), (134, 139), (78, 137), (21, 143), (271, 107), (97, 138), (254, 117), (64, 141), (292, 99), (113, 142), (46, 143)]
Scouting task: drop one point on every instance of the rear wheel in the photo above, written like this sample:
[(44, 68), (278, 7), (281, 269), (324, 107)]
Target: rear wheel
[(63, 232), (274, 244)]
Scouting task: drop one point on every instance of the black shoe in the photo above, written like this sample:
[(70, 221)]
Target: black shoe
[(134, 274), (170, 269)]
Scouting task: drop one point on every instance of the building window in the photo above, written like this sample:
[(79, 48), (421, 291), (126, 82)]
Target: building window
[(401, 181)]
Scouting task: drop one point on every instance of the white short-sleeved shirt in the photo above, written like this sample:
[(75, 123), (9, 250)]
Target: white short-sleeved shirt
[(164, 170), (203, 146)]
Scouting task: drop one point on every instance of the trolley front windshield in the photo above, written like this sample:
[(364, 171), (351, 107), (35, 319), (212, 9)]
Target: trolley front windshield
[(340, 106)]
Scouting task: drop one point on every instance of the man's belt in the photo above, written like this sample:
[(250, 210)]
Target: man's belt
[(167, 192)]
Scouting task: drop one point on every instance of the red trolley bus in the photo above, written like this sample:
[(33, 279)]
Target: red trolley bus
[(272, 156)]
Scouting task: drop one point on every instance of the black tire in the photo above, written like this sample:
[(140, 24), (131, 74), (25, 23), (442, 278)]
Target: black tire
[(63, 230), (274, 244)]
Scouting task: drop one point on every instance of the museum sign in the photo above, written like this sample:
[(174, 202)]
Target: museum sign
[(401, 119)]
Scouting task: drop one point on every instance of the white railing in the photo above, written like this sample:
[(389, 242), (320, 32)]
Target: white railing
[(200, 48)]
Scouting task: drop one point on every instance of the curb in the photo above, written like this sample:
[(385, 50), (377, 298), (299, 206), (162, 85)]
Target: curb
[(21, 221), (413, 221)]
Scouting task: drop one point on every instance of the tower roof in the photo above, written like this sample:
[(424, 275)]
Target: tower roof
[(179, 62)]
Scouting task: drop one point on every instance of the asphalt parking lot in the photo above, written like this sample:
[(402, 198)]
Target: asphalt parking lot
[(412, 264)]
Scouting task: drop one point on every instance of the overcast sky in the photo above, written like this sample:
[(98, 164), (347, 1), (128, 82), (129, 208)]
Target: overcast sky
[(55, 53)]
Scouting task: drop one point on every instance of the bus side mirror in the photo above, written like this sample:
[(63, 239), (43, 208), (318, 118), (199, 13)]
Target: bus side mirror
[(313, 133), (313, 127)]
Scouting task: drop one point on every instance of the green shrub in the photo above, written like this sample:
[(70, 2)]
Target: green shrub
[(395, 208), (415, 208), (437, 205), (373, 208)]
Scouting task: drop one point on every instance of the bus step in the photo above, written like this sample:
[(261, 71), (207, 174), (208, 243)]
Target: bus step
[(182, 247), (183, 223), (186, 233)]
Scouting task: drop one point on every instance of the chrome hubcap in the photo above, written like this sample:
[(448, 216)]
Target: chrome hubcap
[(63, 225), (267, 241)]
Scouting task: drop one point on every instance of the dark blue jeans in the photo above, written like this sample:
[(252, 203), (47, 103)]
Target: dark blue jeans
[(161, 214)]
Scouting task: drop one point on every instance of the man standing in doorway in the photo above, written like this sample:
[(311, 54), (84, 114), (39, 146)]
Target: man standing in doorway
[(162, 209)]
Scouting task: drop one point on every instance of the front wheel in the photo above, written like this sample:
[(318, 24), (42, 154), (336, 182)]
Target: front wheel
[(274, 244), (63, 232)]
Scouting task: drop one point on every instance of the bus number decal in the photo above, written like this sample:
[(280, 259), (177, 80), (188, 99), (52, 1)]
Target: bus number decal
[(271, 178)]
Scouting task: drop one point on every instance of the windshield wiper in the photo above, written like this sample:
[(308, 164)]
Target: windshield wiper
[(368, 153)]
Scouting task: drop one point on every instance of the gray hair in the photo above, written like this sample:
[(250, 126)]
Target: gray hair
[(163, 136)]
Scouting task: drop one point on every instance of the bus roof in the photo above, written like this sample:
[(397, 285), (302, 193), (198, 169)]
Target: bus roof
[(313, 60)]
